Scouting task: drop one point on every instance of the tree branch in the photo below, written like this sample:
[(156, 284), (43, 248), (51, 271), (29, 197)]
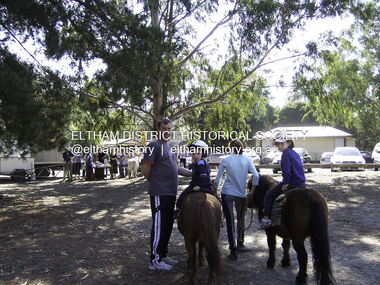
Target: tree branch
[(20, 43), (124, 107), (225, 20), (236, 84)]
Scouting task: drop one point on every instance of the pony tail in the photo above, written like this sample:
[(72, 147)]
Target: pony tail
[(320, 244), (207, 227)]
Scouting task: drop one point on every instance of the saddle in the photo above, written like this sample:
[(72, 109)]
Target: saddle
[(277, 206)]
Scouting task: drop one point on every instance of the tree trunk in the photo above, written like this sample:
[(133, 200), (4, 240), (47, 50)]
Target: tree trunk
[(157, 101), (157, 81)]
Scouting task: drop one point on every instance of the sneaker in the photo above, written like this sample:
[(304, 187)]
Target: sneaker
[(265, 224), (169, 261), (160, 265), (242, 248), (176, 214)]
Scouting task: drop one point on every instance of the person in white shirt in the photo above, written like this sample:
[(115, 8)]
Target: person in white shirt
[(236, 166)]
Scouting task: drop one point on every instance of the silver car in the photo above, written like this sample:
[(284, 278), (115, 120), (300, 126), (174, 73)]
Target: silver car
[(326, 157), (349, 156)]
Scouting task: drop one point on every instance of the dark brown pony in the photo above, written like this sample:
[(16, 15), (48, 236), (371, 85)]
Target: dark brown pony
[(304, 213), (199, 221)]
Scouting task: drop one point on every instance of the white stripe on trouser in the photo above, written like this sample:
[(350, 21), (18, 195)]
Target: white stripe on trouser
[(156, 229)]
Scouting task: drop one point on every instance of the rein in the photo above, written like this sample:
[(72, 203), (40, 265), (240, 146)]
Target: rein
[(250, 221), (243, 218)]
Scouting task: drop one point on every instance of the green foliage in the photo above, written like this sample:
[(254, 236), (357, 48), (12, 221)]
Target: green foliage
[(342, 86), (263, 118), (34, 107), (262, 23), (232, 113), (295, 114), (151, 64)]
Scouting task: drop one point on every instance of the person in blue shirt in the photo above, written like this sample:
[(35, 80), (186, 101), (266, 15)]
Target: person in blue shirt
[(122, 163), (88, 161), (200, 180), (293, 176), (236, 166)]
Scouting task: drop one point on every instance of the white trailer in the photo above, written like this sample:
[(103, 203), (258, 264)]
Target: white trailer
[(40, 164), (17, 167), (46, 162)]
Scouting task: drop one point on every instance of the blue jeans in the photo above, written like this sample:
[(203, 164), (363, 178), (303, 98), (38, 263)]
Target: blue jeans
[(121, 170)]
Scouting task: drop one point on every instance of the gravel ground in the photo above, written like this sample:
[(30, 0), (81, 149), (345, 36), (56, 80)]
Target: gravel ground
[(54, 232)]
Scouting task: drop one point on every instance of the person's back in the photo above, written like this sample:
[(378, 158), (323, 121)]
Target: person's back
[(236, 167)]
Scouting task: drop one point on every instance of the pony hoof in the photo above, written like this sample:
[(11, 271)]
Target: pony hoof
[(270, 265), (301, 280), (285, 263)]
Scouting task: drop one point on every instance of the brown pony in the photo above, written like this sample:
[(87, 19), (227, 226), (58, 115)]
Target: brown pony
[(199, 221), (304, 213)]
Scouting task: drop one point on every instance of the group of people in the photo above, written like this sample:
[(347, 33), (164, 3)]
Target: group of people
[(74, 163), (160, 167)]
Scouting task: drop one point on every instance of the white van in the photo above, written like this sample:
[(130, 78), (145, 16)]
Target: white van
[(376, 154)]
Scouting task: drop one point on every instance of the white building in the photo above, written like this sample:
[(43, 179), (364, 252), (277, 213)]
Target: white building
[(314, 139)]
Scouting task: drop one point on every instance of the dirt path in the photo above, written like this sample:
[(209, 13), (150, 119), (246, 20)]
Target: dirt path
[(54, 232)]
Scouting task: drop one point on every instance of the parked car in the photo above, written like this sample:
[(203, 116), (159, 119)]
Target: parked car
[(347, 155), (268, 159), (253, 155), (277, 160), (302, 152), (367, 156), (376, 154), (215, 158), (185, 161), (326, 157), (304, 155)]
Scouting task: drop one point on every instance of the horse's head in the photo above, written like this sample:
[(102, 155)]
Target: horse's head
[(265, 184)]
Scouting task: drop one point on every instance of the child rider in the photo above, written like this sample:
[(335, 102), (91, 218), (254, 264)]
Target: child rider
[(293, 176), (201, 174)]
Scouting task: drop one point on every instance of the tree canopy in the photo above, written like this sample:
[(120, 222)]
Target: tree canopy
[(342, 84), (34, 108), (155, 62), (296, 114)]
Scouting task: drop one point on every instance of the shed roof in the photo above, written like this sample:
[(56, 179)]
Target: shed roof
[(126, 142), (313, 132)]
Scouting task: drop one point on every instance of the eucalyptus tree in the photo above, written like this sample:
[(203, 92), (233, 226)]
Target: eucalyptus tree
[(342, 83), (296, 114), (158, 58)]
